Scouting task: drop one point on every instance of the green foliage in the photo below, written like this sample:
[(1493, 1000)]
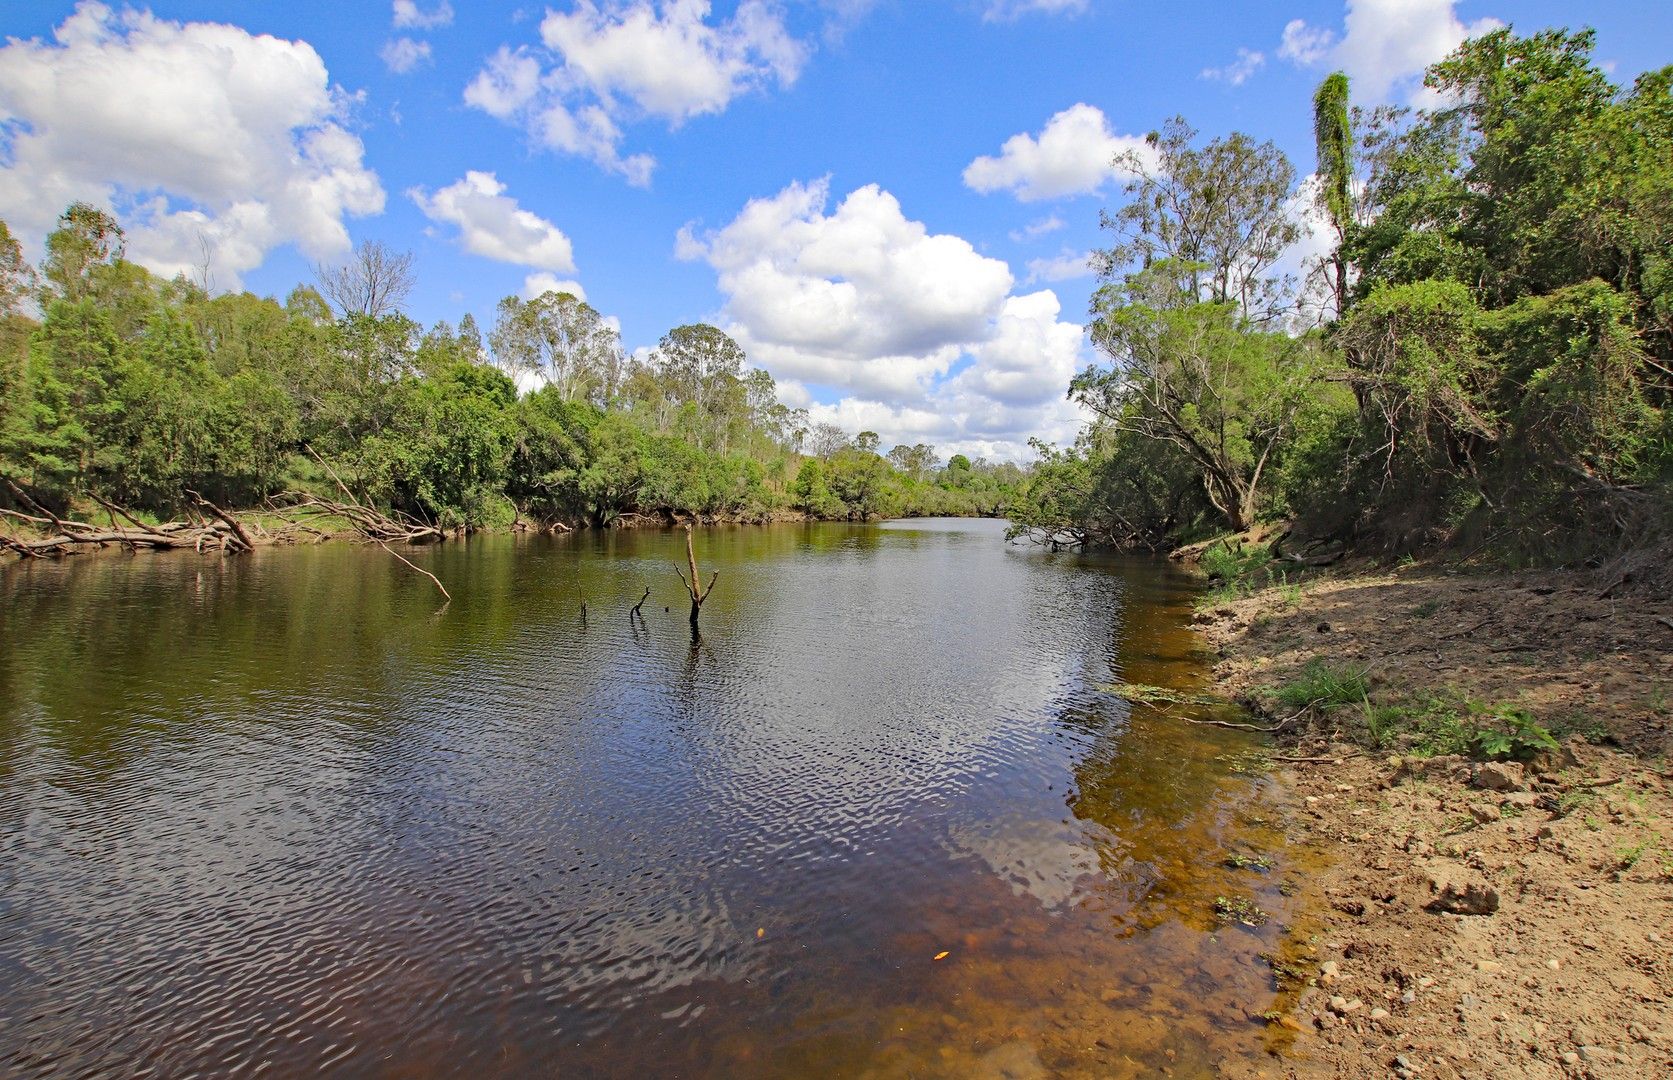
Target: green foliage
[(1512, 734), (1325, 686), (138, 391), (1499, 366)]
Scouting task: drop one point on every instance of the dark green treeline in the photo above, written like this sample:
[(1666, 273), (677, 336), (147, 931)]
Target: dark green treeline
[(134, 389)]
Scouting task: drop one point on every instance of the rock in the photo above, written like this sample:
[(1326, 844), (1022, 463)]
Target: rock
[(1596, 1055), (1522, 799), (1554, 964), (1484, 812), (1012, 1061), (1499, 776), (1324, 628), (1379, 1014), (1330, 969), (1338, 1004), (1550, 761), (1488, 967), (1571, 1058), (1461, 895)]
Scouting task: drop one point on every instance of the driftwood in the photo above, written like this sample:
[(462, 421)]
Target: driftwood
[(299, 507), (638, 608), (65, 536)]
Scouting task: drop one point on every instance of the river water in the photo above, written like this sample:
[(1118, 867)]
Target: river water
[(291, 812)]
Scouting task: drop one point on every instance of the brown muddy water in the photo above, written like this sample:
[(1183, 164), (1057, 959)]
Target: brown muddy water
[(284, 813)]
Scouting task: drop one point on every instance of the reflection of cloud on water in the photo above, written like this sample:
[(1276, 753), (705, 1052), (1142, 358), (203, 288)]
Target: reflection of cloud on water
[(1057, 864)]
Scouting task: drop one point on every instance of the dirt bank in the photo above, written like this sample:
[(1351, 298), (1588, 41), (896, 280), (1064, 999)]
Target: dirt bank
[(1475, 919)]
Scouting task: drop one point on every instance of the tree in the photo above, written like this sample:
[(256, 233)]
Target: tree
[(703, 367), (1194, 376), (866, 442), (917, 461), (1186, 294), (826, 439), (1333, 138), (86, 238), (374, 282), (560, 340), (17, 278), (1218, 213)]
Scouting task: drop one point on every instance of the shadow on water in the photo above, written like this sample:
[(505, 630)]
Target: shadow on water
[(279, 809)]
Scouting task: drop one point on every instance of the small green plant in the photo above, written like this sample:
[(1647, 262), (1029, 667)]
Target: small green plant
[(1657, 701), (1238, 909), (1325, 686), (1459, 823), (1426, 609), (1285, 975), (1523, 741), (1249, 862), (1577, 799), (1592, 823), (1627, 857), (1383, 723)]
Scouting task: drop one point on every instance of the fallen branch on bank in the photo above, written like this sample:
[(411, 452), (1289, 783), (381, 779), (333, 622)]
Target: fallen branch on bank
[(66, 536), (298, 507)]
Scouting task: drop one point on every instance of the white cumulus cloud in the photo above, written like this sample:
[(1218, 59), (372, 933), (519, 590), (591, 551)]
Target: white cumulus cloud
[(599, 67), (1238, 71), (196, 134), (1038, 228), (402, 54), (919, 329), (1304, 44), (858, 297), (1074, 154), (541, 282), (1385, 44), (492, 225), (1065, 266), (407, 15)]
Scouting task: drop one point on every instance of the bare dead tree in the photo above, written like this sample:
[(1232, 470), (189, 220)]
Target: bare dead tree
[(373, 282), (694, 586)]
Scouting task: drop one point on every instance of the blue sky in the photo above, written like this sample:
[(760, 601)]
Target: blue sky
[(888, 203)]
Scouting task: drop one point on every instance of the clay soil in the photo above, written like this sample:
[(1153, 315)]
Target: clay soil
[(1474, 920)]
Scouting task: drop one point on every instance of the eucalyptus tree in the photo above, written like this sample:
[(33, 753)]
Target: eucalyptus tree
[(1219, 213), (1189, 292), (562, 341)]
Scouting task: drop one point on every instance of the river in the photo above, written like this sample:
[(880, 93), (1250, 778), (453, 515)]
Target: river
[(291, 811)]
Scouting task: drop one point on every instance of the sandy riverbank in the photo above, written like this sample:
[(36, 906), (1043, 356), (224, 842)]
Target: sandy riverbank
[(1474, 919)]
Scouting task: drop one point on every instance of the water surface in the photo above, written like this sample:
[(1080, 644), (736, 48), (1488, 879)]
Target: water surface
[(289, 811)]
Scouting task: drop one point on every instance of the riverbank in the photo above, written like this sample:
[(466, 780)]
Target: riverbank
[(232, 532), (1475, 918)]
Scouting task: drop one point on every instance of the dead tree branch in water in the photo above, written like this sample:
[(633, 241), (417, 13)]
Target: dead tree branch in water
[(420, 569), (636, 607), (694, 586)]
